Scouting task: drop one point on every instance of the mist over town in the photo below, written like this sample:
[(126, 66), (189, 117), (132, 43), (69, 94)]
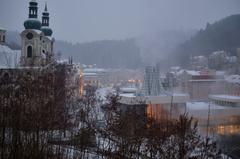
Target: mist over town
[(119, 79)]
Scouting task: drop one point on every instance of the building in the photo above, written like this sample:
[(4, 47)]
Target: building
[(37, 43), (199, 84), (35, 63), (152, 81), (231, 95), (2, 36), (217, 60), (199, 62), (225, 100), (156, 107), (96, 77)]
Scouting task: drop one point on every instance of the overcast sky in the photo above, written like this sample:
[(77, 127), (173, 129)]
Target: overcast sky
[(90, 20)]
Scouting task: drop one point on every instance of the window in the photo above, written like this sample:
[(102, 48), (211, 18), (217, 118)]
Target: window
[(29, 36), (3, 38), (29, 51)]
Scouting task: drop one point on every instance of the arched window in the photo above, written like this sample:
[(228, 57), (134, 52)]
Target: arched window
[(29, 51)]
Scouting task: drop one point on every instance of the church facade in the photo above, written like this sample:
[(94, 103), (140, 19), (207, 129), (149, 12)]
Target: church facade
[(37, 43)]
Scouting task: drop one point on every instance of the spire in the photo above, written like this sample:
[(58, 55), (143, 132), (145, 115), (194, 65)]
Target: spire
[(45, 22), (33, 22), (45, 10), (45, 16), (33, 9)]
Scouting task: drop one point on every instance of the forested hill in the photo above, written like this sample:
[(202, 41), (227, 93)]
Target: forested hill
[(221, 35), (106, 53)]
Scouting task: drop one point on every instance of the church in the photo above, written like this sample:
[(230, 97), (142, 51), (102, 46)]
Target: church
[(37, 43), (35, 63)]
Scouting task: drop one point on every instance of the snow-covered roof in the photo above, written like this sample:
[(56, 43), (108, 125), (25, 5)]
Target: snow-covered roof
[(64, 61), (89, 74), (190, 72), (128, 89), (233, 79), (1, 29), (206, 80), (218, 52), (96, 70), (127, 95), (199, 57), (175, 68), (193, 73), (220, 73), (202, 106), (129, 98), (35, 30), (9, 58), (227, 98)]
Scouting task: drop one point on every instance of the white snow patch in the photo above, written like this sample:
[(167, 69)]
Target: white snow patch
[(9, 58)]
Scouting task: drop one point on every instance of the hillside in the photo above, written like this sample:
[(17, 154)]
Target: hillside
[(105, 53), (221, 35)]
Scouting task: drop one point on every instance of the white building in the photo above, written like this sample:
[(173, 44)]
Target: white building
[(95, 76), (152, 81)]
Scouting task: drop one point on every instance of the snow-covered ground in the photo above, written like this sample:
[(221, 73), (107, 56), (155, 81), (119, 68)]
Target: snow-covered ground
[(203, 106), (200, 110)]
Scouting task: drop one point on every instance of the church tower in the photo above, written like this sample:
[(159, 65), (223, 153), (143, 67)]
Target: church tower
[(47, 41), (37, 44)]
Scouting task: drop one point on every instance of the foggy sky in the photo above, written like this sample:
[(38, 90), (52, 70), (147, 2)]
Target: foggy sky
[(90, 20)]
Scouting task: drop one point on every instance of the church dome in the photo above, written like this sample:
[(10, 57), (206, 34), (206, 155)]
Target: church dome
[(32, 23), (47, 31)]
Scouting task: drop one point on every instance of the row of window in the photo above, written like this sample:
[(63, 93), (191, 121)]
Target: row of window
[(33, 12), (45, 21), (224, 103)]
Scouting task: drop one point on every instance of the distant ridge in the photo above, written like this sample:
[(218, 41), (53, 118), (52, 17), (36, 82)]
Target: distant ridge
[(221, 35)]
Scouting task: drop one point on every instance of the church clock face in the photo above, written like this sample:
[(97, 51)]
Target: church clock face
[(29, 36)]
